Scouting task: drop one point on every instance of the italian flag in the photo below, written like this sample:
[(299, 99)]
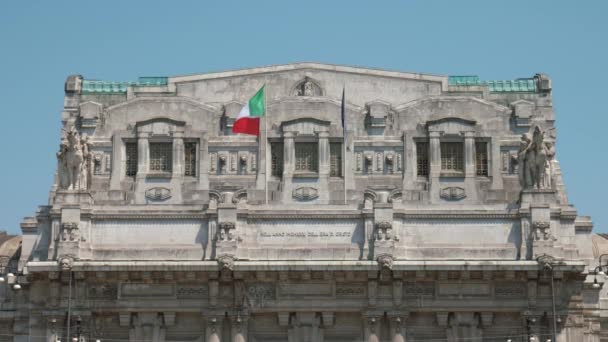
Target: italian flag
[(248, 121)]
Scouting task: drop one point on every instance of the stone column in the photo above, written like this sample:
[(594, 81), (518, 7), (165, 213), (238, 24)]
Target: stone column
[(143, 154), (203, 162), (178, 155), (434, 154), (324, 166), (118, 158), (469, 154), (397, 327), (239, 325), (324, 154), (289, 164), (494, 164), (214, 329), (434, 165), (53, 326), (289, 154), (371, 328)]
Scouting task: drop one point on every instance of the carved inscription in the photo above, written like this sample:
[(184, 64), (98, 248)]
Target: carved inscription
[(304, 232), (351, 290), (289, 289), (510, 290), (184, 292), (464, 289), (301, 234), (103, 291), (419, 289), (139, 290)]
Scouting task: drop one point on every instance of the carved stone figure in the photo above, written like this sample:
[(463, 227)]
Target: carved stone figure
[(549, 148), (74, 162), (308, 88), (385, 261), (533, 156), (66, 262)]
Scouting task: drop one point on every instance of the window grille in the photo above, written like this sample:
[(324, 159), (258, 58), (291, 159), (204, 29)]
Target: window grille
[(161, 157), (131, 164), (422, 158), (307, 157), (276, 152), (190, 156), (452, 156), (335, 159), (481, 158)]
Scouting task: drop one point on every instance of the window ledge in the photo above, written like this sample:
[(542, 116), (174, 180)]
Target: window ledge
[(452, 174), (165, 175), (306, 175)]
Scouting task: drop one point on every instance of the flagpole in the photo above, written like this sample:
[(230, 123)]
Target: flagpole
[(266, 164), (345, 140)]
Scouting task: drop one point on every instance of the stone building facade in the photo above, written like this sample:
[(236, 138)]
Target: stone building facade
[(436, 213)]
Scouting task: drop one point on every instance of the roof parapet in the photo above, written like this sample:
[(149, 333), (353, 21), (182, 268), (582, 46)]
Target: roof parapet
[(538, 83), (111, 87)]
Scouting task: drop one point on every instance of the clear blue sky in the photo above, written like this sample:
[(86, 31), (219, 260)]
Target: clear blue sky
[(41, 42)]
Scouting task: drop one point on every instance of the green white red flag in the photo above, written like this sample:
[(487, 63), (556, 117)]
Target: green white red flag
[(248, 120)]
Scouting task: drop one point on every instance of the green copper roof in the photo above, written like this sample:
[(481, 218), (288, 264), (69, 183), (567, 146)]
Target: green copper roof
[(502, 86), (109, 87)]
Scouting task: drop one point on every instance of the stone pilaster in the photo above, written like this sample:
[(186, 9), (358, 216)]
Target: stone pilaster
[(238, 328), (119, 155), (434, 154), (143, 154), (371, 327), (213, 331), (324, 166), (289, 155), (434, 165), (323, 154), (469, 154), (397, 326), (178, 155)]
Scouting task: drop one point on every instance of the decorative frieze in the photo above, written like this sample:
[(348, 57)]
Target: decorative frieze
[(348, 290), (510, 290)]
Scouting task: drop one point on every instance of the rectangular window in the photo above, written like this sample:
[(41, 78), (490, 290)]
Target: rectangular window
[(161, 157), (452, 156), (481, 158), (276, 152), (190, 156), (335, 159), (307, 157), (131, 164), (422, 158)]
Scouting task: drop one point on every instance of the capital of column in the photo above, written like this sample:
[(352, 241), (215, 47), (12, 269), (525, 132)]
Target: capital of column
[(469, 134), (323, 134), (434, 135), (289, 135)]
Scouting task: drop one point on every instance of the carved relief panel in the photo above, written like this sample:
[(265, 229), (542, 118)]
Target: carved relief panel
[(378, 160), (224, 161)]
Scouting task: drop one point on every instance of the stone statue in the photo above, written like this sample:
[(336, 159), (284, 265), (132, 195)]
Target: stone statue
[(87, 163), (74, 162), (548, 174), (309, 88), (534, 161)]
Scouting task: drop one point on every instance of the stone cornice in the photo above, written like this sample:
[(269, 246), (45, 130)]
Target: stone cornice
[(315, 66), (308, 265)]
